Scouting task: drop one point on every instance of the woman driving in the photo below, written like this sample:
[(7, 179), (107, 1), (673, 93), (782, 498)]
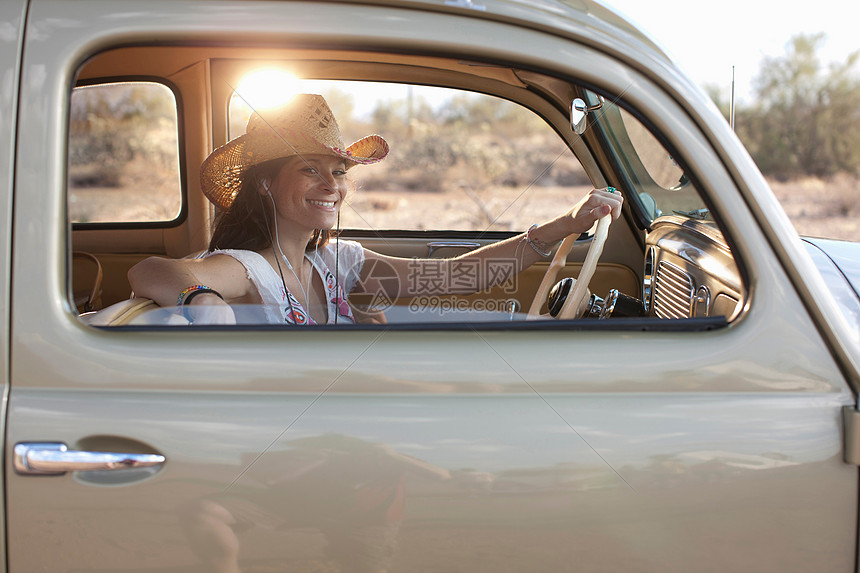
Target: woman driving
[(279, 189)]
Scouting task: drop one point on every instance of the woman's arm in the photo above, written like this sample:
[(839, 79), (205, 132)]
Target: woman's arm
[(438, 276), (162, 280)]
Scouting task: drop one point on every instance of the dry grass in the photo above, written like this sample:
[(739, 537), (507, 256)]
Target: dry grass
[(486, 208), (141, 191), (822, 208), (456, 198), (819, 208)]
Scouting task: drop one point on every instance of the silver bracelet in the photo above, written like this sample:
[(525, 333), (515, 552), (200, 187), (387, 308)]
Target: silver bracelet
[(532, 244)]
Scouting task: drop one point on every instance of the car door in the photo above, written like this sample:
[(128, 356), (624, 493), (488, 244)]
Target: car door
[(12, 16), (541, 447)]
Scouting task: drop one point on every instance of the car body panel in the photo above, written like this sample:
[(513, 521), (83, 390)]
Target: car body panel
[(12, 23), (839, 271), (845, 255), (578, 20), (538, 484), (512, 449)]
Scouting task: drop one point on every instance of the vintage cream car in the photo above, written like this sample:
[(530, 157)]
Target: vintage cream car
[(701, 417)]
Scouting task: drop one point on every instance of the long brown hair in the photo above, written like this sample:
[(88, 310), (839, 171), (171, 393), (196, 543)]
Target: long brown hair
[(246, 223)]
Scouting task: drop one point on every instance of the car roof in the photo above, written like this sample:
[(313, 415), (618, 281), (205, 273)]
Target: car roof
[(585, 20)]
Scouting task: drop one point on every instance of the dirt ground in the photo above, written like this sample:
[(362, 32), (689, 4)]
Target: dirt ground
[(822, 208), (816, 207)]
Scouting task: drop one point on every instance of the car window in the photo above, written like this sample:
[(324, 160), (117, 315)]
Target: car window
[(124, 154), (662, 187), (462, 166), (459, 160)]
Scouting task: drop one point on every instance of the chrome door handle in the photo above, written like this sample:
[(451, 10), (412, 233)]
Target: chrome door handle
[(55, 458), (466, 245)]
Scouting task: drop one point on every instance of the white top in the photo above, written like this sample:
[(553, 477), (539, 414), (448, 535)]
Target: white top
[(280, 306)]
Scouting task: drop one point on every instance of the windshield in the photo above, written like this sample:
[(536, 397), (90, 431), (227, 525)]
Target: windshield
[(661, 187)]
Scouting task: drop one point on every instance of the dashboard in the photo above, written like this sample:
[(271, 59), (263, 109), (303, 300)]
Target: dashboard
[(689, 271)]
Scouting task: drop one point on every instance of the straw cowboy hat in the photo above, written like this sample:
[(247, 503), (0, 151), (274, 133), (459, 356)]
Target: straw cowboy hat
[(305, 125)]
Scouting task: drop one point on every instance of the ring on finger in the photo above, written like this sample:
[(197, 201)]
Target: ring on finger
[(611, 189)]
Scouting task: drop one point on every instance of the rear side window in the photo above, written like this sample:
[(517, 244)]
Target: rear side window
[(124, 154)]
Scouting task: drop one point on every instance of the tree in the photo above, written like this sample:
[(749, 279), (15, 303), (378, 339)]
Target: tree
[(806, 120)]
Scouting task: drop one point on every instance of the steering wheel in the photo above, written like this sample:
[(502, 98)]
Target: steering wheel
[(579, 291)]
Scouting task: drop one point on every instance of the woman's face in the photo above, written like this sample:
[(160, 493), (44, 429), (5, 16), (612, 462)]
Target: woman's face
[(308, 191)]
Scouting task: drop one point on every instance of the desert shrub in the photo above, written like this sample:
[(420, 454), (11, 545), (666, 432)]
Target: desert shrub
[(113, 128), (806, 119), (470, 142)]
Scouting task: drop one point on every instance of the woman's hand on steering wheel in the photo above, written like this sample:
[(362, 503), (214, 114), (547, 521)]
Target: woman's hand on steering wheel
[(596, 204)]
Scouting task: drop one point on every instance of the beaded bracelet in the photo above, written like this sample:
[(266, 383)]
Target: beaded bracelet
[(190, 292), (532, 244)]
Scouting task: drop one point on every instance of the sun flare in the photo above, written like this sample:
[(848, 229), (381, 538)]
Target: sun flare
[(267, 88)]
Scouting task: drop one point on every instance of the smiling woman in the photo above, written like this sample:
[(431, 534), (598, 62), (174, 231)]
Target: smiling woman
[(279, 187)]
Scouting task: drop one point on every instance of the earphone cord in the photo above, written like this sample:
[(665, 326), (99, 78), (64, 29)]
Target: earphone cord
[(277, 262), (305, 292), (336, 265)]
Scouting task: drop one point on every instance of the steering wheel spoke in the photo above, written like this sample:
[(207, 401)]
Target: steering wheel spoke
[(555, 266), (580, 288)]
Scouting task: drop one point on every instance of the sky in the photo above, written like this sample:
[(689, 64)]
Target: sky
[(707, 38)]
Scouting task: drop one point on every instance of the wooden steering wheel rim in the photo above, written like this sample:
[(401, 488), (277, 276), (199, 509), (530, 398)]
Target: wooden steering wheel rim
[(580, 288)]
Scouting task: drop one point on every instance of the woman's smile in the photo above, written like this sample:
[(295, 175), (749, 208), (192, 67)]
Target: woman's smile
[(327, 205), (309, 191)]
